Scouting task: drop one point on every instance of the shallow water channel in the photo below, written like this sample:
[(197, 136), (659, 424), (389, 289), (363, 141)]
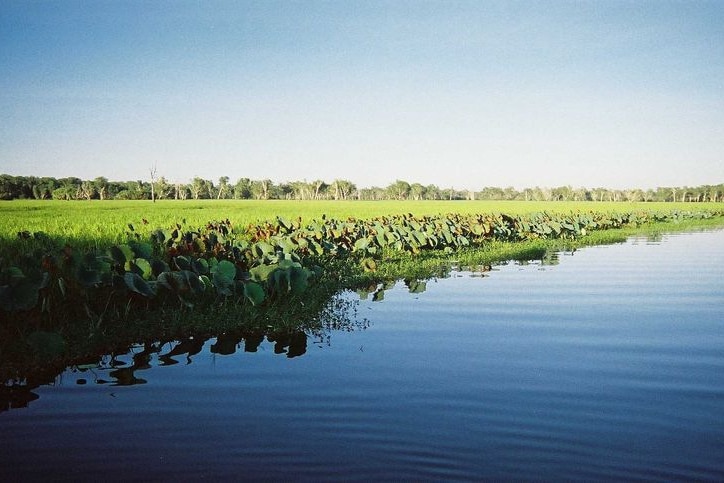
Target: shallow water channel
[(606, 364)]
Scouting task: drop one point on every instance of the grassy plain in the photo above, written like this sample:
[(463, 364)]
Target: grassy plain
[(102, 223)]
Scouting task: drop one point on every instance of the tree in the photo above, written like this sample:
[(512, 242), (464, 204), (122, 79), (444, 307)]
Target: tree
[(343, 189), (223, 187), (85, 191), (242, 189), (153, 182), (319, 188), (261, 188), (198, 188), (417, 191), (100, 184), (399, 190)]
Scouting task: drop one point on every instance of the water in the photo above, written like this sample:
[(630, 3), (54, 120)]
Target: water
[(606, 366)]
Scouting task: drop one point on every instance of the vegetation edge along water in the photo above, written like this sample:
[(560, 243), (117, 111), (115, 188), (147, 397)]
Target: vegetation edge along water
[(270, 277)]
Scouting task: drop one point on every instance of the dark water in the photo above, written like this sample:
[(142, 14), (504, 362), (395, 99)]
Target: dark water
[(606, 366)]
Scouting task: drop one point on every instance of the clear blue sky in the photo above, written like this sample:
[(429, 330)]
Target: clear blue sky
[(465, 94)]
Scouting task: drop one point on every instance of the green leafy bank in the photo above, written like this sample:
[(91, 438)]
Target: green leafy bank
[(57, 302)]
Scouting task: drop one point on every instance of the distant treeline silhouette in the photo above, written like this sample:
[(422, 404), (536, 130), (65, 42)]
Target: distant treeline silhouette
[(46, 188)]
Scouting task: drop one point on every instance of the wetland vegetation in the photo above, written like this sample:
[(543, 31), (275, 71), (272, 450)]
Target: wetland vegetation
[(81, 279)]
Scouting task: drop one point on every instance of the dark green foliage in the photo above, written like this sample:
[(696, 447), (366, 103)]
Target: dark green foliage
[(264, 263)]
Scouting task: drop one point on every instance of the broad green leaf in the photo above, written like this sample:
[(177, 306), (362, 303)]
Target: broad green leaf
[(159, 266), (135, 283), (142, 250), (361, 244), (224, 285), (182, 262), (121, 254), (226, 269), (254, 293), (262, 272), (261, 249), (200, 266), (142, 267), (299, 279), (417, 286), (194, 282)]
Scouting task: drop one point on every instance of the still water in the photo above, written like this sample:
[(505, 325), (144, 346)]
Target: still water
[(606, 365)]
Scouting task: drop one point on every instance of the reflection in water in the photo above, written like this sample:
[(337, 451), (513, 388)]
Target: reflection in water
[(113, 370)]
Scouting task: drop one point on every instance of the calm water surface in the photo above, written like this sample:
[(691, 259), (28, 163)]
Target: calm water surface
[(608, 365)]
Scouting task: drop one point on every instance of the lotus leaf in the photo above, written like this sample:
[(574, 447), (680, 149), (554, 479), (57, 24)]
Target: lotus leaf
[(171, 281), (417, 286), (159, 266), (207, 282), (361, 244), (261, 249), (280, 280), (142, 250), (193, 281), (142, 267), (200, 266), (182, 262), (224, 285), (262, 272), (254, 293), (226, 269), (121, 254), (285, 224), (135, 283), (299, 279)]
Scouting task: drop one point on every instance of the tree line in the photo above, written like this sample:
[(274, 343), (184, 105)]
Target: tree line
[(71, 188)]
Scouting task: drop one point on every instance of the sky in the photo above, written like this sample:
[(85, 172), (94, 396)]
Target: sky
[(463, 94)]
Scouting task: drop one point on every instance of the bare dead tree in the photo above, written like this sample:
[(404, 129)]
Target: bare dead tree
[(153, 182)]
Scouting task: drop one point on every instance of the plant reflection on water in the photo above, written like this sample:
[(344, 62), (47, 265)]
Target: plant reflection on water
[(340, 314)]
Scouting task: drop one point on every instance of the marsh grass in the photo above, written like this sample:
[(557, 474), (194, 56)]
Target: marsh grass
[(96, 225)]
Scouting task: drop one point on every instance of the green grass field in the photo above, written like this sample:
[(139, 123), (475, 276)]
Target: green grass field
[(105, 222)]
